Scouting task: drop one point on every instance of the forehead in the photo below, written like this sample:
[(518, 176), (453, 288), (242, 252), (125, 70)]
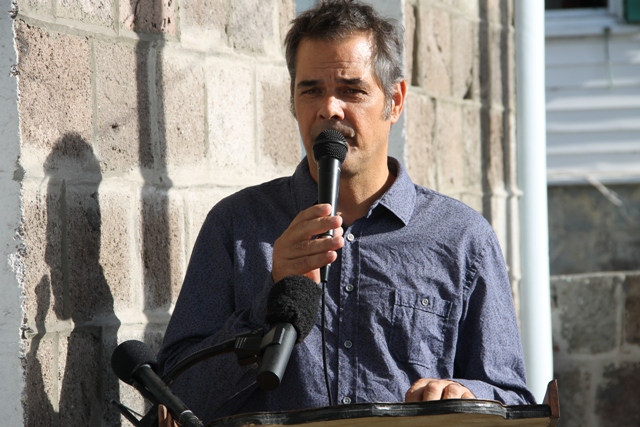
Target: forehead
[(350, 53)]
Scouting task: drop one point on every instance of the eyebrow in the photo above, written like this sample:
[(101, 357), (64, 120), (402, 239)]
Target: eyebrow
[(312, 83), (308, 83)]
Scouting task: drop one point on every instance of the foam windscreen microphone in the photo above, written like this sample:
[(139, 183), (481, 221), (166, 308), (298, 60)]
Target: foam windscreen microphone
[(134, 363), (292, 308), (329, 151)]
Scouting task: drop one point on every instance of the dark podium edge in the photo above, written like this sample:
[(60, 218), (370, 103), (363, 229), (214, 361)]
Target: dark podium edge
[(550, 408)]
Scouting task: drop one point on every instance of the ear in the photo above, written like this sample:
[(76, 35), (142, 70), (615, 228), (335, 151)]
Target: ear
[(397, 100)]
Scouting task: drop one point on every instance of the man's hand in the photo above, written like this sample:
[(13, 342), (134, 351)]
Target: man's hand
[(164, 417), (298, 252), (434, 389)]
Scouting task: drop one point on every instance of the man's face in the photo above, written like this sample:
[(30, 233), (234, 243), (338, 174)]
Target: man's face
[(335, 88)]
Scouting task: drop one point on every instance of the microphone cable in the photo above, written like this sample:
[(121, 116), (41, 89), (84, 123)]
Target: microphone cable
[(323, 328)]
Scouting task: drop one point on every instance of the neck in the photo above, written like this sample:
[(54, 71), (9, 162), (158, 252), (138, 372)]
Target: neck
[(358, 193)]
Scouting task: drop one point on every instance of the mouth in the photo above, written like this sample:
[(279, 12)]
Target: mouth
[(346, 131)]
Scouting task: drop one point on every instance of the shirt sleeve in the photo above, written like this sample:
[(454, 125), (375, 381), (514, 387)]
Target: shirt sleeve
[(489, 359), (206, 314)]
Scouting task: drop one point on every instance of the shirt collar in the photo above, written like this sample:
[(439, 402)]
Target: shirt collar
[(399, 199)]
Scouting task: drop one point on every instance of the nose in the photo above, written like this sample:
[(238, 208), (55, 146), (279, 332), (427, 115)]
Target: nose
[(331, 108)]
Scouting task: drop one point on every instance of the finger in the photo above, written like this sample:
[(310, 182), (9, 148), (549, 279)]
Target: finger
[(311, 213), (414, 394), (304, 264), (433, 390), (164, 419), (453, 391), (468, 395), (315, 254)]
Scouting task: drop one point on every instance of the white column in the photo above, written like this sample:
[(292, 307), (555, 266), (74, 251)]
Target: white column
[(535, 308), (11, 264)]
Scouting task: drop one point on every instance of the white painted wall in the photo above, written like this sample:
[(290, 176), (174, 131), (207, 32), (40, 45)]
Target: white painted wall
[(10, 214), (593, 97)]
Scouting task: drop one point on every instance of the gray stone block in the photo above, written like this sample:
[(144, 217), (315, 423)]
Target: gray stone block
[(148, 16), (421, 151), (450, 147), (89, 294), (117, 243), (286, 13), (434, 51), (28, 7), (494, 10), (410, 42), (122, 99), (616, 399), (231, 117), (98, 12), (203, 22), (181, 100), (162, 246), (278, 136), (468, 8), (81, 368), (55, 89), (574, 387), (587, 232), (109, 383), (575, 391), (632, 309), (587, 310), (44, 256), (464, 39), (251, 26), (41, 381), (472, 151)]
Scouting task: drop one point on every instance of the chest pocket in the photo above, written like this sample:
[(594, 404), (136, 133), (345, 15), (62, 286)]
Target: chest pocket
[(420, 323)]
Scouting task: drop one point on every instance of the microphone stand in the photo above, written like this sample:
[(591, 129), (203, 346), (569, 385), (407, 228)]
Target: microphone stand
[(249, 347)]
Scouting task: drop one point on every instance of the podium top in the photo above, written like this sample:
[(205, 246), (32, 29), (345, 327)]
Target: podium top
[(441, 413)]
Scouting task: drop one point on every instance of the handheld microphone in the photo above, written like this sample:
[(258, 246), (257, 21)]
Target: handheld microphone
[(329, 151), (292, 308), (134, 363)]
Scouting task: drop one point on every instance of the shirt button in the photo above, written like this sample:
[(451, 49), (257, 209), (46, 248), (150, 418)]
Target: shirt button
[(348, 288), (425, 302), (350, 237), (348, 344), (346, 400)]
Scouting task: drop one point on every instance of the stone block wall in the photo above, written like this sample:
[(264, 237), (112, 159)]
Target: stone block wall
[(596, 339), (136, 116), (594, 244)]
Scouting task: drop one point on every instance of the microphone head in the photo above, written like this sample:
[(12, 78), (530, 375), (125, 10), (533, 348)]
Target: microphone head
[(330, 143), (129, 356), (294, 300)]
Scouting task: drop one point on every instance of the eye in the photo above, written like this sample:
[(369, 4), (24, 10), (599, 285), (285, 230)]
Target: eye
[(311, 91)]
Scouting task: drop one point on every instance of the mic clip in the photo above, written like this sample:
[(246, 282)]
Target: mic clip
[(249, 347)]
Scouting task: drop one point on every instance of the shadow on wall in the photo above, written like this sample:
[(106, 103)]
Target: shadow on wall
[(82, 299)]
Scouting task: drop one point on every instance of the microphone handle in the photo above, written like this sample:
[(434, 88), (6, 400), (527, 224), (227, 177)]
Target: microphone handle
[(328, 189), (162, 394)]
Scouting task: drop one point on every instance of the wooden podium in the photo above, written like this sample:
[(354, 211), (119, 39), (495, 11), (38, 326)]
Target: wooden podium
[(442, 413)]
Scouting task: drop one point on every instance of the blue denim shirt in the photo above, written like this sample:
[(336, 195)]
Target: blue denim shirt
[(420, 289)]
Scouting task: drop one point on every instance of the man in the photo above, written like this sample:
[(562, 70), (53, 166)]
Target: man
[(418, 300)]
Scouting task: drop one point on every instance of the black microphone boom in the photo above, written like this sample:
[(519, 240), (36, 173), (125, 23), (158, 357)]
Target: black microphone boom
[(134, 363), (329, 150)]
